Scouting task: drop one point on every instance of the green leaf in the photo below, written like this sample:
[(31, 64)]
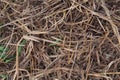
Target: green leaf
[(8, 60), (53, 44), (5, 58), (1, 24), (20, 47), (2, 48), (3, 76)]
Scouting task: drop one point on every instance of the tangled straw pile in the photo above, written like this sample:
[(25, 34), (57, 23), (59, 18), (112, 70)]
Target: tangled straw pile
[(60, 39)]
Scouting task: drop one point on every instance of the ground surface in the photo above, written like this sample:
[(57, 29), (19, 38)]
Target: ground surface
[(59, 40)]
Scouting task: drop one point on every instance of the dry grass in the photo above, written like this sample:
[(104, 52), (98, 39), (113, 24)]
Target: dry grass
[(59, 40)]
